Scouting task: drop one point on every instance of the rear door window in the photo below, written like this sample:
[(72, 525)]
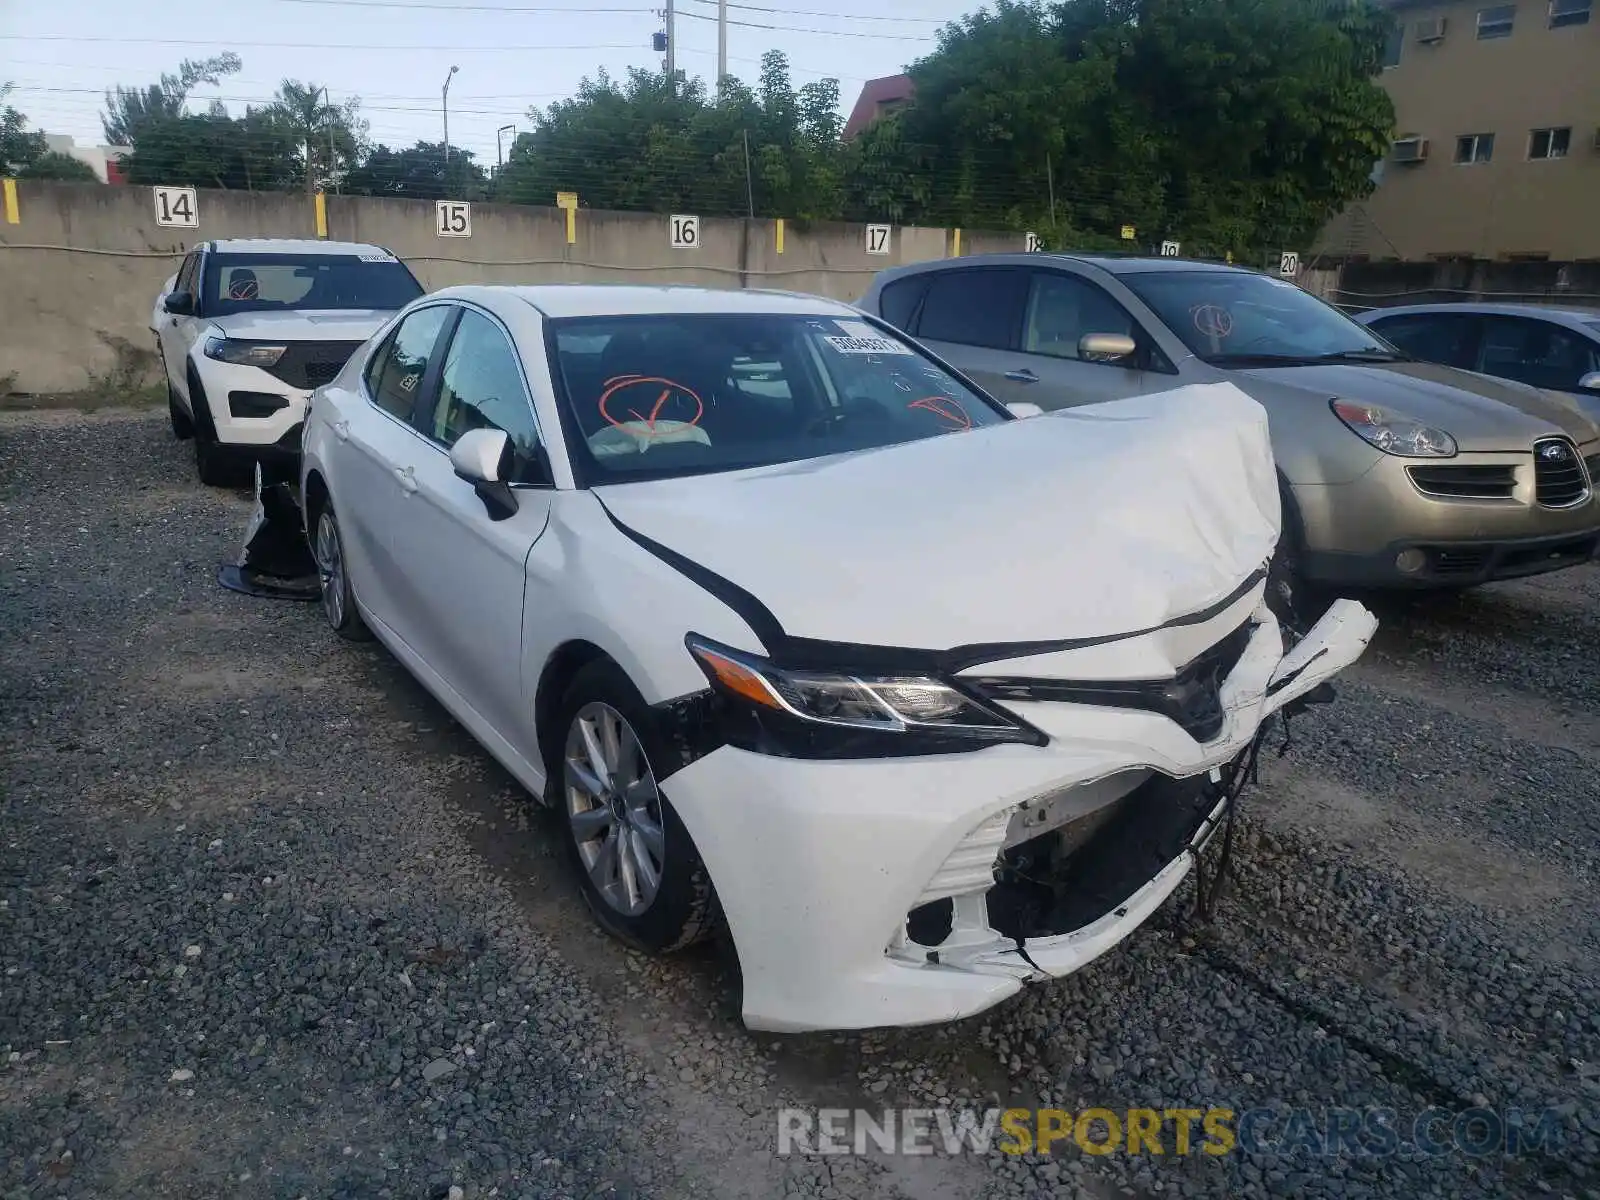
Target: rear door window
[(395, 376), (1449, 338), (1536, 352), (975, 307)]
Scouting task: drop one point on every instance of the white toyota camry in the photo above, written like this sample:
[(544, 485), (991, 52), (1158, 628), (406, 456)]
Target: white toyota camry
[(799, 631)]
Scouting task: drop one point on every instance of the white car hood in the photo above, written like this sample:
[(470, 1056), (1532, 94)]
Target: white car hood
[(304, 325), (1090, 522)]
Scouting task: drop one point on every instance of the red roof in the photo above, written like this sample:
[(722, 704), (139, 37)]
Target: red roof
[(890, 90)]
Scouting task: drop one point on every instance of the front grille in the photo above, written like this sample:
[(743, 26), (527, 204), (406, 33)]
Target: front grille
[(1468, 483), (1191, 698), (1560, 480), (255, 404), (312, 364), (1593, 465)]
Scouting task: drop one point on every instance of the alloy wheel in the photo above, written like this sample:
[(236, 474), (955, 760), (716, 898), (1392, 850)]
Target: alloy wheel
[(330, 569), (614, 808)]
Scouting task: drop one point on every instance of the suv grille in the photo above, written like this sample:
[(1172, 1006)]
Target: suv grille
[(312, 364), (1192, 698), (1473, 483), (1560, 480)]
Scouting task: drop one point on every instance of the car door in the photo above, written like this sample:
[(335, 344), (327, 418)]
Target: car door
[(1062, 309), (462, 574), (175, 333), (1448, 338), (971, 317), (1536, 352), (376, 447)]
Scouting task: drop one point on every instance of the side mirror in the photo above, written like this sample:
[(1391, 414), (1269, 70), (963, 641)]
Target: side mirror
[(1105, 345), (480, 457), (1590, 382), (179, 304), (1025, 408)]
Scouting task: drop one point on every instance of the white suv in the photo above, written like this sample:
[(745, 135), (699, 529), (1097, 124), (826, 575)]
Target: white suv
[(247, 328)]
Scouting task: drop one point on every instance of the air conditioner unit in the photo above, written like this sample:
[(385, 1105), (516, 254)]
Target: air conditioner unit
[(1410, 150), (1431, 30)]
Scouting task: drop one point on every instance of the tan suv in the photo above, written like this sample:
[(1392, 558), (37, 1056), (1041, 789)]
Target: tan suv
[(1394, 472)]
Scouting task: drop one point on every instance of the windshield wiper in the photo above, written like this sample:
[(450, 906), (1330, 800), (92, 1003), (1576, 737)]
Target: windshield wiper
[(1259, 360), (1370, 354)]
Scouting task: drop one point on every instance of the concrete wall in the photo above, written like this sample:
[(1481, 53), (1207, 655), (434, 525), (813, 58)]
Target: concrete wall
[(80, 271), (1386, 284)]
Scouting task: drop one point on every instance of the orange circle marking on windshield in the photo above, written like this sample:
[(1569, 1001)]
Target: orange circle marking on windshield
[(947, 407), (1213, 320), (669, 389)]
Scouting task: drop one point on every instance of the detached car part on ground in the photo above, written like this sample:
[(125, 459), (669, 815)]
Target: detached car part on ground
[(247, 328), (1394, 473), (797, 630)]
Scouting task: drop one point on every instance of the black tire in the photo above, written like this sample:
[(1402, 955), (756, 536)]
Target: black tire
[(182, 426), (684, 909), (333, 574), (216, 464), (1296, 601)]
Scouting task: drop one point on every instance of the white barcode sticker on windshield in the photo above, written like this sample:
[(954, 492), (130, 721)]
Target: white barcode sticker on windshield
[(856, 329), (867, 345), (378, 258)]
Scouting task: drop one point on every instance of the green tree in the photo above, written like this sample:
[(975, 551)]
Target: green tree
[(63, 167), (1232, 124), (652, 143), (18, 146), (419, 173), (129, 108), (331, 136), (253, 153)]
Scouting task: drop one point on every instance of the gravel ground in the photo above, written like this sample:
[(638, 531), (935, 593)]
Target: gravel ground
[(272, 925)]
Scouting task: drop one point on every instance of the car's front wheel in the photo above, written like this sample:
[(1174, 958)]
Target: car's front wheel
[(637, 866), (333, 577)]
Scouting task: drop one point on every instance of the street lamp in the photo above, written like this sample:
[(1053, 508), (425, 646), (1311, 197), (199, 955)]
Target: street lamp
[(500, 154), (446, 108)]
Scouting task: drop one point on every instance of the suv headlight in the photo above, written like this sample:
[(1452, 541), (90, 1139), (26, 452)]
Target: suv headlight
[(1393, 433), (823, 714), (244, 354)]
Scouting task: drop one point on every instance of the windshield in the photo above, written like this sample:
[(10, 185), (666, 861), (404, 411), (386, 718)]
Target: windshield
[(238, 283), (654, 396), (1233, 318)]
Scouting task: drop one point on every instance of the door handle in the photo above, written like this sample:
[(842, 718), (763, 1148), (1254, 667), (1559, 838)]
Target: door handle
[(1022, 376), (408, 479), (342, 428)]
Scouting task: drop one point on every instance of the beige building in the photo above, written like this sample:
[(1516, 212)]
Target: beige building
[(1497, 136)]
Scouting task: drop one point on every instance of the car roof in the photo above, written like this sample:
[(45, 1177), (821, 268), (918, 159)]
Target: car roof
[(292, 246), (622, 299), (1562, 314), (1113, 264)]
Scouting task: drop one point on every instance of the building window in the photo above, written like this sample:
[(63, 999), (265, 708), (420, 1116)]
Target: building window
[(1474, 147), (1549, 143), (1391, 49), (1496, 22), (1569, 12)]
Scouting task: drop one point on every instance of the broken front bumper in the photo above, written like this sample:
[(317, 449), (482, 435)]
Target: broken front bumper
[(821, 865)]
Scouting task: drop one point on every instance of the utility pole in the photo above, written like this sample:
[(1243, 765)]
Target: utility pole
[(722, 42), (499, 150), (672, 45)]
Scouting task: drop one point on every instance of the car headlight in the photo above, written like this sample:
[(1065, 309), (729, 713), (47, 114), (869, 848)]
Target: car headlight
[(823, 714), (244, 354), (1393, 433)]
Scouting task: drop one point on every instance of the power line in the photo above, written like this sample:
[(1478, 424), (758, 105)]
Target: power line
[(493, 8), (883, 37), (212, 44), (805, 12)]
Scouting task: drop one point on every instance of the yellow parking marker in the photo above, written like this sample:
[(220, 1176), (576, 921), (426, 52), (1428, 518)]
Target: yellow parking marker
[(13, 217), (322, 215), (780, 235), (569, 202), (955, 243)]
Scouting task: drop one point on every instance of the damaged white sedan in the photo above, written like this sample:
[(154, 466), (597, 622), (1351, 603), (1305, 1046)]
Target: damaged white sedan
[(797, 630)]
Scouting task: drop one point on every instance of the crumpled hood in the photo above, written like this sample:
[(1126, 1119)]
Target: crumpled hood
[(304, 325), (1480, 412), (1090, 522)]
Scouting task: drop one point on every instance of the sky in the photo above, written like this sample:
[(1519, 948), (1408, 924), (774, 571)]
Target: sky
[(395, 54)]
